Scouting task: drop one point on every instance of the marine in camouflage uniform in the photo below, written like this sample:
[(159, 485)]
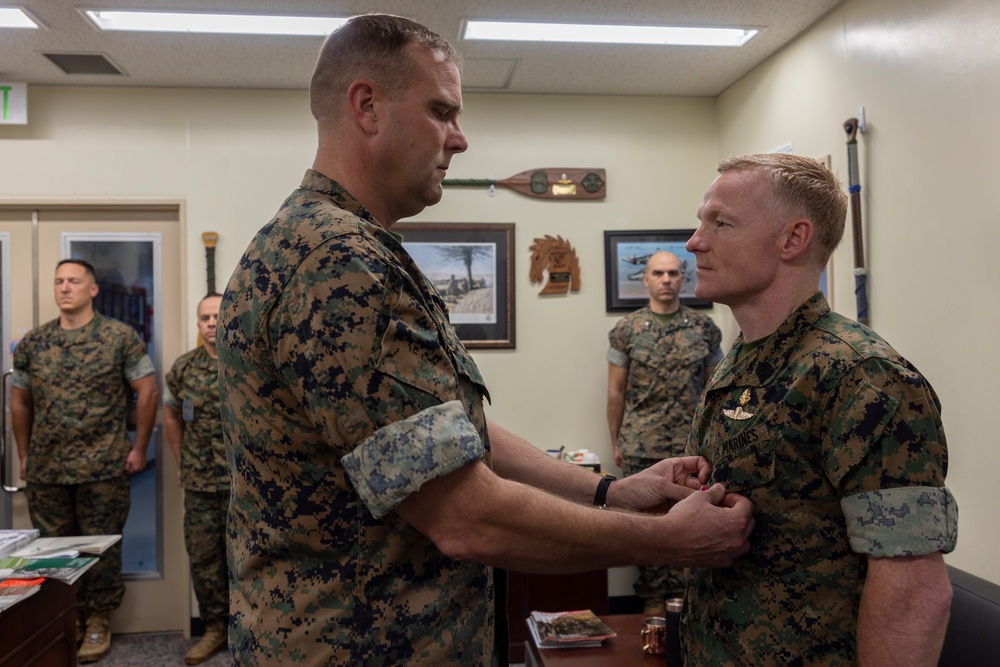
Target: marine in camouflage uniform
[(192, 389), (78, 381), (838, 442), (667, 365), (344, 388)]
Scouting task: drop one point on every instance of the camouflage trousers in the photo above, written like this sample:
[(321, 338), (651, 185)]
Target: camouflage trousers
[(660, 582), (92, 508), (205, 539)]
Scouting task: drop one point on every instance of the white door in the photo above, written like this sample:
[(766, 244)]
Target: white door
[(135, 250)]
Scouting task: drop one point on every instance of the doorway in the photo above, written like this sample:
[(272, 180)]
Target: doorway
[(136, 252)]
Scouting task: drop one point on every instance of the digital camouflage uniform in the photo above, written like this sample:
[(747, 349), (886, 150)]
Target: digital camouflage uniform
[(343, 389), (837, 440), (192, 388), (77, 485), (666, 366)]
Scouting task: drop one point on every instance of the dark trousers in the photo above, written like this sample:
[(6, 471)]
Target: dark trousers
[(92, 508)]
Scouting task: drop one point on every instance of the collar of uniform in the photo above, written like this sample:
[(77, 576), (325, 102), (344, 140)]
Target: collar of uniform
[(204, 359), (313, 180), (682, 317), (760, 365), (82, 334)]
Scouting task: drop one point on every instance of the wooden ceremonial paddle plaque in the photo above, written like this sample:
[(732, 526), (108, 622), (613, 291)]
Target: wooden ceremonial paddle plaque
[(546, 183)]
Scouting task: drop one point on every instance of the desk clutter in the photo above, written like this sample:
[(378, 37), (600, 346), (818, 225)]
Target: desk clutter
[(568, 629), (27, 560), (581, 457)]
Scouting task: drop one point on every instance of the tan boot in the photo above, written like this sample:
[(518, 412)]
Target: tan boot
[(213, 642), (96, 639)]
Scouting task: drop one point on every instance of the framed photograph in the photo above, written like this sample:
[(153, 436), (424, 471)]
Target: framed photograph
[(472, 266), (625, 257)]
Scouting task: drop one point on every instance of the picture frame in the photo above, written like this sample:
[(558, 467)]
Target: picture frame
[(472, 266), (625, 256)]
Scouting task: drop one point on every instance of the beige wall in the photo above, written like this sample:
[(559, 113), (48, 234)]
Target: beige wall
[(927, 75), (233, 156)]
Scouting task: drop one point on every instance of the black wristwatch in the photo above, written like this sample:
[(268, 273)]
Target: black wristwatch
[(601, 497)]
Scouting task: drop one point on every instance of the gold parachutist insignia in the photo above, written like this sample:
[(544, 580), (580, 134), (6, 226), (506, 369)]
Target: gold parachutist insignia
[(739, 414)]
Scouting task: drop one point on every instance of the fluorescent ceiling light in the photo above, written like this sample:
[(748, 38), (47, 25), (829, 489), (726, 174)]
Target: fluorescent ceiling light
[(607, 34), (14, 17), (242, 24)]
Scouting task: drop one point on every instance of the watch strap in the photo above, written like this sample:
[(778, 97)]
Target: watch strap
[(601, 496)]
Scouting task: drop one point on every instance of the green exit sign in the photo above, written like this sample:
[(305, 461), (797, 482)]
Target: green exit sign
[(13, 103)]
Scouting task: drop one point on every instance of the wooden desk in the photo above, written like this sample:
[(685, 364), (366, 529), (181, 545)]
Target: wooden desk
[(623, 650), (550, 592), (41, 631)]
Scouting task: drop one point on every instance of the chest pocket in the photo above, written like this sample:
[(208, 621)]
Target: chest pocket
[(666, 365), (788, 534)]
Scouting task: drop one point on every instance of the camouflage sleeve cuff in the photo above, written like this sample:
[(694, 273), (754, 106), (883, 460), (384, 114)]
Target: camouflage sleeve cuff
[(617, 358), (21, 379), (170, 399), (398, 459), (904, 521), (140, 369)]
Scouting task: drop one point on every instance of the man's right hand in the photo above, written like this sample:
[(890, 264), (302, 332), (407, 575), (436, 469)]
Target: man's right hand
[(713, 528)]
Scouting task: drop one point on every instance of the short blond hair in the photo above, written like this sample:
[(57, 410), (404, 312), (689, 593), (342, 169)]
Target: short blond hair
[(806, 189)]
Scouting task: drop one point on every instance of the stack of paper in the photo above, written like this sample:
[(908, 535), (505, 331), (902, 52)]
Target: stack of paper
[(12, 540), (67, 547), (567, 629), (63, 569)]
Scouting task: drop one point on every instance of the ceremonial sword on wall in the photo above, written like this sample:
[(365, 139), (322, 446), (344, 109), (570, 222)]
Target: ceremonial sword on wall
[(210, 239), (854, 179), (552, 183)]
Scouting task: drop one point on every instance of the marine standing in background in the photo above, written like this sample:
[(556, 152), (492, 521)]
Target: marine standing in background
[(194, 431), (72, 380), (834, 436), (658, 362)]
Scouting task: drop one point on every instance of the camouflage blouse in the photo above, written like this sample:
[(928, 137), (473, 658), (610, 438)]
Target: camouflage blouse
[(192, 387), (79, 384), (666, 374), (838, 442), (343, 389)]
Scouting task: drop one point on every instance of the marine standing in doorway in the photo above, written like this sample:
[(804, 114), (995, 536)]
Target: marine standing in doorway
[(194, 431), (72, 380)]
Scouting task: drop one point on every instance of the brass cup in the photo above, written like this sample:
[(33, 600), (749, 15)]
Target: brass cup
[(654, 635)]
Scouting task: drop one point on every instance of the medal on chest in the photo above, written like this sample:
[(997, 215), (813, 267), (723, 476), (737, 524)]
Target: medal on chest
[(739, 414)]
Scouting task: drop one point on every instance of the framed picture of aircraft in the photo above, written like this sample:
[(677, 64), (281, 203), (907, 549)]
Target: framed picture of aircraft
[(625, 255)]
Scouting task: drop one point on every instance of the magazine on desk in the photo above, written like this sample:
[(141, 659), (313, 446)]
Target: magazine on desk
[(63, 569), (11, 595), (567, 629), (12, 540), (67, 547)]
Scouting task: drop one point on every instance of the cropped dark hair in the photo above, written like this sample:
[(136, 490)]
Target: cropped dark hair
[(80, 262), (371, 46)]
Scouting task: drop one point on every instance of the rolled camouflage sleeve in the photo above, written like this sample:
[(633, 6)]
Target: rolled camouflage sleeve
[(399, 458), (888, 455), (618, 339), (907, 521)]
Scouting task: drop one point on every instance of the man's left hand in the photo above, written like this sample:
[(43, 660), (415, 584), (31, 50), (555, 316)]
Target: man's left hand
[(136, 462), (657, 488)]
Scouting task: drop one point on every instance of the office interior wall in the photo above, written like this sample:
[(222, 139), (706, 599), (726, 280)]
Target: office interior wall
[(233, 156), (926, 74)]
